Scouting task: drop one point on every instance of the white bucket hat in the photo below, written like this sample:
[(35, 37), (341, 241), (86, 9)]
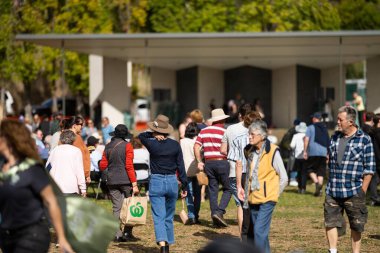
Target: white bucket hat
[(301, 127), (217, 114)]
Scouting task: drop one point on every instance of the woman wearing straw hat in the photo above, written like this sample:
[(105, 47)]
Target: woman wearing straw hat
[(165, 159)]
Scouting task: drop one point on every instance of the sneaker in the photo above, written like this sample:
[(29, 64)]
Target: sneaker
[(318, 189), (219, 221), (301, 191), (120, 239), (293, 183)]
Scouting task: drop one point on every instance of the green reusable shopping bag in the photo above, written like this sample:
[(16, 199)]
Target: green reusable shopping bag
[(88, 227)]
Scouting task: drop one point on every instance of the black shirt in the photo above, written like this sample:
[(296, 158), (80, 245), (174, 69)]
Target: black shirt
[(20, 201), (165, 156)]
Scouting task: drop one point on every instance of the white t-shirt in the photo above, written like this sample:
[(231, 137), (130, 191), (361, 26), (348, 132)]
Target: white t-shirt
[(141, 156), (187, 146), (229, 136), (298, 145)]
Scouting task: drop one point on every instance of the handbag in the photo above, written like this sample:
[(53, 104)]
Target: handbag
[(183, 215), (202, 178), (88, 227), (133, 211)]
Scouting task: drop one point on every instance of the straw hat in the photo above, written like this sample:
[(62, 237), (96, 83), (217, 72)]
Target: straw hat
[(301, 128), (161, 125), (217, 114)]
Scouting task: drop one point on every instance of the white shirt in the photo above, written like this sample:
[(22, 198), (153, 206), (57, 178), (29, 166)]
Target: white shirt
[(141, 155), (187, 146), (229, 136), (298, 145), (67, 168), (95, 157)]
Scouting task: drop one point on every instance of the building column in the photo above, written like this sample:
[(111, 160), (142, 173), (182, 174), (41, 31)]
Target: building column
[(330, 81), (284, 96), (373, 84), (210, 87), (108, 83)]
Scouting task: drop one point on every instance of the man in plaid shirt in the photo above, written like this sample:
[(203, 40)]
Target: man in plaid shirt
[(351, 166)]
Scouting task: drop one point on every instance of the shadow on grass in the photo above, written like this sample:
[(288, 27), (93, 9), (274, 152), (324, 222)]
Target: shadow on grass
[(207, 223), (377, 237), (136, 248), (212, 234), (295, 190)]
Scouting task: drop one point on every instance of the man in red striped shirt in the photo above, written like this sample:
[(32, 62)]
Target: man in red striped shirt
[(216, 166)]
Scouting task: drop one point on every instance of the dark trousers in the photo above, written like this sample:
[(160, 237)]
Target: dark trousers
[(33, 238), (218, 171), (118, 193), (246, 226), (299, 166), (373, 187)]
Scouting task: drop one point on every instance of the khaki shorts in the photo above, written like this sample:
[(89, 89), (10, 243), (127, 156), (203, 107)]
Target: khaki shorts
[(354, 207)]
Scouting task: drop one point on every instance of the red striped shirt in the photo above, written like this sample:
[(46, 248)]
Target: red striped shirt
[(210, 138)]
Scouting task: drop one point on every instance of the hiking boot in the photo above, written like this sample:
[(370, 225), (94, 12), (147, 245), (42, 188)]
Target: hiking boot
[(164, 249), (301, 191), (318, 189), (120, 239), (219, 221), (191, 221)]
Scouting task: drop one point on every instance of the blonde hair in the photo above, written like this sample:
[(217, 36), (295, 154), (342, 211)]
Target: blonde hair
[(196, 116)]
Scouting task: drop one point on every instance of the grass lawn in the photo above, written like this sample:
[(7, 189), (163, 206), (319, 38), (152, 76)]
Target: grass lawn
[(297, 226)]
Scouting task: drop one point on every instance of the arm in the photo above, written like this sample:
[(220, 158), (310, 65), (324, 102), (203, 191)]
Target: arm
[(129, 167), (278, 165), (224, 146), (146, 139), (197, 153), (368, 164), (240, 190), (305, 145), (81, 181), (181, 170), (55, 213), (103, 164)]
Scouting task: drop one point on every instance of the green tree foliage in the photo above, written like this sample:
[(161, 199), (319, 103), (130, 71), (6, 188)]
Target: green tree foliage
[(25, 62), (359, 14)]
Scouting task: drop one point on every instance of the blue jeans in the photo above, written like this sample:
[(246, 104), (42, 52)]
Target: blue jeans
[(163, 194), (193, 198), (261, 216), (218, 172)]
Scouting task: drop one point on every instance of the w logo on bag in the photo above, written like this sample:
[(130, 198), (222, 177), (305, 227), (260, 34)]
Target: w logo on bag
[(136, 210)]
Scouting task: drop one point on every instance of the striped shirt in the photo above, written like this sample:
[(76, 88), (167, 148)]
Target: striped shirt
[(210, 138), (236, 152), (346, 178)]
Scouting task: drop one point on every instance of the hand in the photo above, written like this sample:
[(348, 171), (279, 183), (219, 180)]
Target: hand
[(84, 194), (64, 246), (88, 180), (241, 193), (201, 166), (305, 156), (159, 137), (135, 190), (183, 194)]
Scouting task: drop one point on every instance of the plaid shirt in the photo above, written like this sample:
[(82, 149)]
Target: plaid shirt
[(358, 160)]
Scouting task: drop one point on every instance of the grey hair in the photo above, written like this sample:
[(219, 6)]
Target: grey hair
[(350, 111), (67, 137), (261, 126)]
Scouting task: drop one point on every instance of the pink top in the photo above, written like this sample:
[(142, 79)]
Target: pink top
[(67, 168)]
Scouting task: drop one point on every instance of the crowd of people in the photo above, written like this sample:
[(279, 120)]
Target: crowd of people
[(242, 158)]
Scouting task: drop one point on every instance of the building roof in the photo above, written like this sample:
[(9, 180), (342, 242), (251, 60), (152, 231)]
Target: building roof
[(222, 50)]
